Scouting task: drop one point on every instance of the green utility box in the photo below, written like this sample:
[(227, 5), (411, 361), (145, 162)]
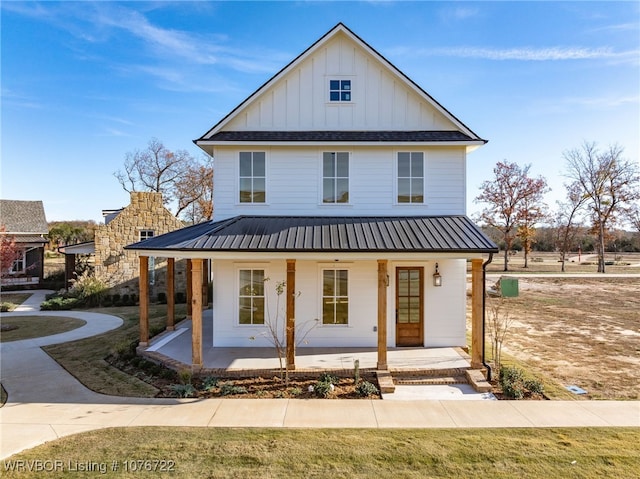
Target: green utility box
[(509, 287)]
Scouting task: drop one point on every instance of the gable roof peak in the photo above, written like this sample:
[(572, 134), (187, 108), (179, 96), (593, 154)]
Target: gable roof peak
[(339, 28)]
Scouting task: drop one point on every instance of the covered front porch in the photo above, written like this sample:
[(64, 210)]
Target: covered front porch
[(174, 348), (383, 245)]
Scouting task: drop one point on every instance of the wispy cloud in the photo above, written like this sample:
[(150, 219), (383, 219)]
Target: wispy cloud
[(524, 53)]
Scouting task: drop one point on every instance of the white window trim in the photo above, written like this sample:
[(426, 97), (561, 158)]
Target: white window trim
[(328, 79), (321, 180), (266, 178), (236, 308), (153, 233), (23, 259), (424, 180), (321, 269)]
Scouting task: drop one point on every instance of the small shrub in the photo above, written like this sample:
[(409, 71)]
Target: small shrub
[(323, 388), (366, 389), (60, 304), (126, 300), (185, 376), (229, 388), (534, 386), (210, 383), (5, 307), (328, 378), (162, 298), (295, 391), (180, 298), (512, 382), (183, 390)]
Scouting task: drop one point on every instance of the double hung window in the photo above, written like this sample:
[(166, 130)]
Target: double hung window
[(335, 177), (251, 296), (252, 177), (335, 296), (410, 177)]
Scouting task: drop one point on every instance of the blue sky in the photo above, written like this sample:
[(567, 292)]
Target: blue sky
[(83, 83)]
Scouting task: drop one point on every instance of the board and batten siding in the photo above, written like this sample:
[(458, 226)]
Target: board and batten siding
[(444, 311), (299, 99), (294, 182)]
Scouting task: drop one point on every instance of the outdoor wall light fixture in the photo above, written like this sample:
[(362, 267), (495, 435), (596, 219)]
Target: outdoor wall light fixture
[(437, 279)]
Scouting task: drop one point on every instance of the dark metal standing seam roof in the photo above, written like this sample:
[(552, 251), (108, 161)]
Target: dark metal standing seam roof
[(261, 234)]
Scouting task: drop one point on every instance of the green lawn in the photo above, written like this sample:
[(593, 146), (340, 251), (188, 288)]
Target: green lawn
[(27, 327), (85, 358), (342, 453)]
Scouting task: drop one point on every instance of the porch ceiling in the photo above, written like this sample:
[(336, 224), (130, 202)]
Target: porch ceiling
[(322, 234)]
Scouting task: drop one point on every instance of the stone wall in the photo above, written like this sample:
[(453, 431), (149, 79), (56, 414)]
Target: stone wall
[(118, 267)]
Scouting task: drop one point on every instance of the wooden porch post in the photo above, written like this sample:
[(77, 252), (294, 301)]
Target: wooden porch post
[(205, 284), (291, 314), (196, 313), (383, 284), (477, 292), (69, 269), (144, 300), (189, 289), (171, 301)]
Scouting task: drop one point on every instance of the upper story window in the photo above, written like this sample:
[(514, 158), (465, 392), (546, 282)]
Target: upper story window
[(335, 177), (411, 177), (145, 234), (339, 90), (252, 177)]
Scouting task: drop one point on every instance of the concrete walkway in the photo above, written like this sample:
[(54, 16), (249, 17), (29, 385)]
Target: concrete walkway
[(46, 403)]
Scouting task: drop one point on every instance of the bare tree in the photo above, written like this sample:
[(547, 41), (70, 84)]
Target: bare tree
[(507, 194), (180, 178), (568, 211), (499, 320), (195, 192), (610, 184)]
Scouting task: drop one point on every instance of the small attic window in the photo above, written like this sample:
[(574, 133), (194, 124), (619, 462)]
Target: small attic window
[(340, 90)]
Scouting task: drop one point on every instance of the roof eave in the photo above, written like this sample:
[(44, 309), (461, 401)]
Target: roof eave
[(213, 143)]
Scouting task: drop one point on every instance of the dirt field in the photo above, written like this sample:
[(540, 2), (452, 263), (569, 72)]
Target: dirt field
[(580, 331)]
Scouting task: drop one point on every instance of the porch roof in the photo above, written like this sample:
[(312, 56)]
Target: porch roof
[(271, 234)]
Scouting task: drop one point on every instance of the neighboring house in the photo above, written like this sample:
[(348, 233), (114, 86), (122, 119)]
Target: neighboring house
[(144, 218), (26, 223), (344, 178)]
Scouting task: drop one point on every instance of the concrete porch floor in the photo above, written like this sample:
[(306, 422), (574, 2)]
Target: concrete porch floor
[(176, 345)]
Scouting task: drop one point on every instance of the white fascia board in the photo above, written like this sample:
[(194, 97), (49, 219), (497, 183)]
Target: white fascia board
[(305, 256), (471, 145)]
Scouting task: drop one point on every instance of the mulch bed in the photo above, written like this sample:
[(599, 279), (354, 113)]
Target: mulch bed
[(259, 387)]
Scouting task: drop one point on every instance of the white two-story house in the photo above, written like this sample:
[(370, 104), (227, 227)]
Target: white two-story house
[(344, 179)]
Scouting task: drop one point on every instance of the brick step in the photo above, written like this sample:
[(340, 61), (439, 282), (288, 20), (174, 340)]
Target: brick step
[(429, 380)]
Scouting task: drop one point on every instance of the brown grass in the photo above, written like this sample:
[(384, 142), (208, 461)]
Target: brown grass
[(27, 327), (579, 331)]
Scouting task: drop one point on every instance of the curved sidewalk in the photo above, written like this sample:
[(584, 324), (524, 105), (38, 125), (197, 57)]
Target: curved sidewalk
[(45, 403)]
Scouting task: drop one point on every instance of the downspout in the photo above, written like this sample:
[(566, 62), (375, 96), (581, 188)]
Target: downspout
[(484, 309)]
